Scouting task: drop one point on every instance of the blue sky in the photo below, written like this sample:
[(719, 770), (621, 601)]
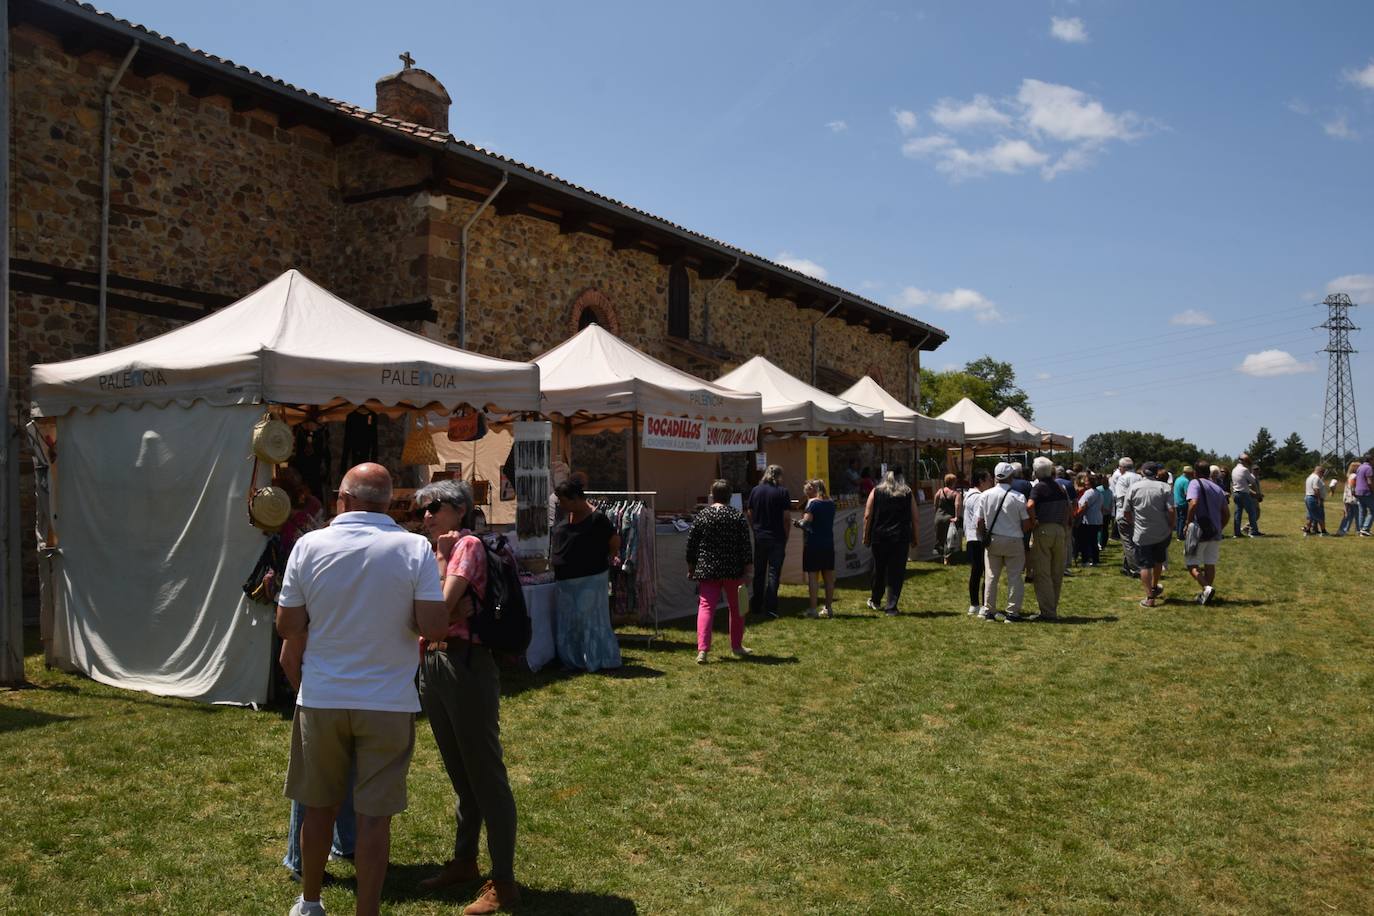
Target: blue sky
[(1131, 202)]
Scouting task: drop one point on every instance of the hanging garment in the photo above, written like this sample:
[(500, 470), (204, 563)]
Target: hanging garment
[(360, 439), (312, 457)]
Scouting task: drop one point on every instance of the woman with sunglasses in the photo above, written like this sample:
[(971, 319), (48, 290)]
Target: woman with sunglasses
[(460, 690)]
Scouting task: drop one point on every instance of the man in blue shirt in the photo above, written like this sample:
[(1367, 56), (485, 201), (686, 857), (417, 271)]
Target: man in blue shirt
[(1181, 483), (768, 510)]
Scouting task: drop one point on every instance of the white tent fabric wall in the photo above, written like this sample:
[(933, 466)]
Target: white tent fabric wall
[(792, 406), (149, 592), (1048, 440)]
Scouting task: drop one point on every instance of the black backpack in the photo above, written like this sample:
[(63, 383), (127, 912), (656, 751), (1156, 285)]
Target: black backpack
[(500, 621)]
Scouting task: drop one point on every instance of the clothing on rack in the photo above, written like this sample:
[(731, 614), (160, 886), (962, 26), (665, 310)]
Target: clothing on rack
[(311, 457), (634, 579), (360, 439)]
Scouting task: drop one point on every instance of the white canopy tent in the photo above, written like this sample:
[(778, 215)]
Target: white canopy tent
[(597, 380), (900, 421), (1048, 441), (985, 433), (149, 540), (792, 406)]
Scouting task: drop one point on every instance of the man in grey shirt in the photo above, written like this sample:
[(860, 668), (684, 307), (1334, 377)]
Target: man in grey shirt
[(1245, 492), (1149, 511), (1122, 481)]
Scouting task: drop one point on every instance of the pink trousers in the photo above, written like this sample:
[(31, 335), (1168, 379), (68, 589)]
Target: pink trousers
[(710, 590)]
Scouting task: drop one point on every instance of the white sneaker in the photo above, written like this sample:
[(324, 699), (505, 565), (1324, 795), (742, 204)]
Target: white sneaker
[(701, 657), (1206, 595), (827, 613), (972, 610), (301, 908), (985, 613), (871, 605), (742, 652)]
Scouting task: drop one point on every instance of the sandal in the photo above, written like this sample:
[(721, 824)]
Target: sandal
[(1156, 591), (1148, 602)]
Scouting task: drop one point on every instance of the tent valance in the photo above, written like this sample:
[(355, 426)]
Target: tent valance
[(601, 381), (982, 431), (290, 342), (1048, 440), (792, 406), (900, 421)]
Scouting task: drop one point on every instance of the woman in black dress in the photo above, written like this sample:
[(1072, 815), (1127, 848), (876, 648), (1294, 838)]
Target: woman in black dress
[(891, 528)]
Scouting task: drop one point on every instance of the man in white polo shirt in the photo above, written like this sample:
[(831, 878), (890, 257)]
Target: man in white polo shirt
[(362, 589), (1003, 522)]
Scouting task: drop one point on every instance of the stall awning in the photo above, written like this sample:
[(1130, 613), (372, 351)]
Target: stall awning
[(900, 421), (1048, 441), (290, 342), (596, 374), (792, 406), (984, 431)]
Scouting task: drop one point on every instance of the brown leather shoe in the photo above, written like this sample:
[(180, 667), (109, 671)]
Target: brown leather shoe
[(495, 897), (453, 872)]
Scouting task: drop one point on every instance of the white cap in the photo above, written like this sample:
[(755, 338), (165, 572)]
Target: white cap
[(1003, 471)]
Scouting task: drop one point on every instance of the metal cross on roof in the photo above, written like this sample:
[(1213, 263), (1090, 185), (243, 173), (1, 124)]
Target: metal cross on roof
[(407, 59)]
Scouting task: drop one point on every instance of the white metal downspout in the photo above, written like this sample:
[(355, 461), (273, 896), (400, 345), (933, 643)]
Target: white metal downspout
[(706, 303), (814, 325), (108, 129), (463, 263)]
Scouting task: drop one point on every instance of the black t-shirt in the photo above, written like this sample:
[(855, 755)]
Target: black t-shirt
[(768, 504), (1051, 502), (891, 518), (581, 549)]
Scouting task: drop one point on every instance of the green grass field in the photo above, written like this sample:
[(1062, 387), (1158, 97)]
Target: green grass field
[(1181, 759)]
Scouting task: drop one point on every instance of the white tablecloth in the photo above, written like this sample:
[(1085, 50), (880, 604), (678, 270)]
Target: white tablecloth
[(541, 601)]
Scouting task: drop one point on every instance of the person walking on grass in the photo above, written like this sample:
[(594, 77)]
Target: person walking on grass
[(1088, 520), (1051, 517), (1349, 504), (946, 517), (982, 482), (360, 590), (1314, 500), (719, 558), (818, 546), (1180, 485), (768, 509), (1364, 494), (1150, 515), (1245, 493), (1002, 524), (891, 528), (1126, 478), (1104, 491), (1205, 520)]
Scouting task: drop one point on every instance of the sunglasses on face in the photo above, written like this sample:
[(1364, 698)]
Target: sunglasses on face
[(430, 508)]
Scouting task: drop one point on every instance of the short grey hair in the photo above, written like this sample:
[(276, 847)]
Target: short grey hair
[(1126, 464), (457, 493), (1043, 468)]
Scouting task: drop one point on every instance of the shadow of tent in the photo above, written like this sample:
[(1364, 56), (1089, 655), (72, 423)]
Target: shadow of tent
[(13, 720), (515, 681), (403, 884)]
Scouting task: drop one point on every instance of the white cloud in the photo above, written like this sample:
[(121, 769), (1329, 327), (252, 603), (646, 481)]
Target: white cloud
[(1071, 29), (1360, 288), (1043, 376), (1047, 126), (870, 285), (980, 111), (802, 265), (916, 147), (1007, 157), (1192, 318), (1071, 115), (1299, 107), (1109, 393), (1270, 363), (906, 120), (1364, 78), (837, 127), (959, 299), (1339, 128)]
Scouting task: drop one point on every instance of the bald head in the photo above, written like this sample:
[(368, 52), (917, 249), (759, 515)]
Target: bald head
[(366, 488)]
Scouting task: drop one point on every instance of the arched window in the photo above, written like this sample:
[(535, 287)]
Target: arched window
[(588, 316), (592, 306), (679, 302)]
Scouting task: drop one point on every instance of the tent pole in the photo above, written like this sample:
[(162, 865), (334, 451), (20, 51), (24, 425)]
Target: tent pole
[(634, 435), (11, 602)]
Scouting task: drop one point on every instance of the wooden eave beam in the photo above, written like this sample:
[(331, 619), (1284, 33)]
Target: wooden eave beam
[(747, 280), (624, 238), (671, 254), (574, 221), (511, 201)]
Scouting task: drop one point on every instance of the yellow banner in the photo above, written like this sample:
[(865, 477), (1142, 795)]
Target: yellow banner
[(818, 459)]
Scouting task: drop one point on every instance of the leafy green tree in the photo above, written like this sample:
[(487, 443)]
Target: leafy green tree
[(942, 390), (1263, 450), (1003, 390), (1294, 457), (1102, 450)]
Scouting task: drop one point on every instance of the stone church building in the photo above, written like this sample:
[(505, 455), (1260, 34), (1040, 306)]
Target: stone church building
[(220, 178)]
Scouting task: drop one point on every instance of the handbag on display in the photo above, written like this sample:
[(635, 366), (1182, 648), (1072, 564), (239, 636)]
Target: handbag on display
[(269, 508), (272, 440), (264, 582), (419, 447), (466, 426)]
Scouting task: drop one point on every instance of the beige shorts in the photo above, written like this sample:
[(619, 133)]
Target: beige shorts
[(325, 741), (1207, 554)]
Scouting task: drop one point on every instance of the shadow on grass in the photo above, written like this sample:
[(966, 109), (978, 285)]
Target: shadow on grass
[(515, 681), (403, 884), (1079, 620), (133, 696), (14, 720)]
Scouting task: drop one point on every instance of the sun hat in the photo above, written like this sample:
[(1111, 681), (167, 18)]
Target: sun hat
[(1003, 471)]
